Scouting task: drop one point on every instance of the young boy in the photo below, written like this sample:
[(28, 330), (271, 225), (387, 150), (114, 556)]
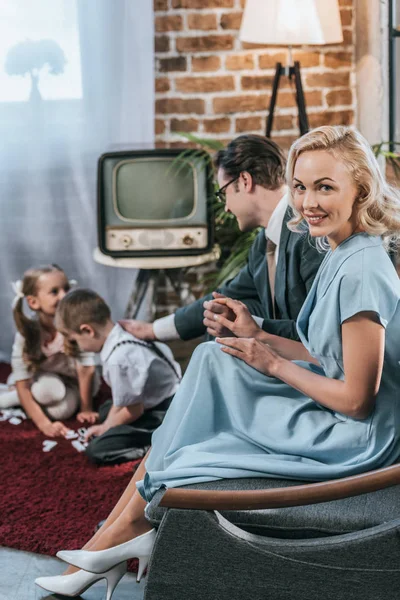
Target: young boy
[(143, 377)]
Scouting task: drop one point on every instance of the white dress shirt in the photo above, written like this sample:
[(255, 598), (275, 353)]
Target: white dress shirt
[(135, 373), (164, 328)]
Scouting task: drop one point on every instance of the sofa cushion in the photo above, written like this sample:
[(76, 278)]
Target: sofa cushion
[(315, 520)]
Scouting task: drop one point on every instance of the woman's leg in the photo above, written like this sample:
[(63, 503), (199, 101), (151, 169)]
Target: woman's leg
[(130, 523), (131, 498)]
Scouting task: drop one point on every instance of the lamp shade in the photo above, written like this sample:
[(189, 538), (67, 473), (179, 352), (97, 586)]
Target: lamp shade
[(291, 22)]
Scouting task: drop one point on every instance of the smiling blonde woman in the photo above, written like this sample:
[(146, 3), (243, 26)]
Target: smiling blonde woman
[(325, 407)]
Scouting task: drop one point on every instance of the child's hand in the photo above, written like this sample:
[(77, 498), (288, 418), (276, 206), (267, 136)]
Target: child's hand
[(94, 431), (56, 429), (87, 416)]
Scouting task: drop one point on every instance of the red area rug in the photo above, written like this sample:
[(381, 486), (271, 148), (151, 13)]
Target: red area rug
[(52, 501)]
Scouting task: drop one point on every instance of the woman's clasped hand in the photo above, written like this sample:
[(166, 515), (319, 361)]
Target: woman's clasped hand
[(256, 354)]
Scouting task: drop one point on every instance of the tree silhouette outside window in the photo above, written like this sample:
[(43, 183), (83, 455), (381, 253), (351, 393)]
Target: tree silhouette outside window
[(30, 57)]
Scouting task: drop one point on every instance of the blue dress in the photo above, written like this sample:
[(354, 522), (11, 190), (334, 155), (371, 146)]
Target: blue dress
[(227, 420)]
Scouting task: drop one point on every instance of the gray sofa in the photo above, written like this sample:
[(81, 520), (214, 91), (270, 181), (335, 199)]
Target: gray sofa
[(346, 548)]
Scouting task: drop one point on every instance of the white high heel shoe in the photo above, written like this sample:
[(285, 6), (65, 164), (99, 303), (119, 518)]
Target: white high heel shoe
[(76, 583), (101, 560)]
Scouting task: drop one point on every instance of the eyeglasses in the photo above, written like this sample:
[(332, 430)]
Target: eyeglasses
[(221, 193)]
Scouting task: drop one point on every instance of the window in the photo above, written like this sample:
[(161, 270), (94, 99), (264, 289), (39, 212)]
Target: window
[(394, 79)]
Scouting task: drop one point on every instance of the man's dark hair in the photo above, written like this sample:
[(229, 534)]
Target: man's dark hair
[(257, 155)]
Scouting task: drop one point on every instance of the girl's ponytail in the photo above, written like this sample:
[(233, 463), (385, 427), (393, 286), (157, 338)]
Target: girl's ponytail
[(30, 329)]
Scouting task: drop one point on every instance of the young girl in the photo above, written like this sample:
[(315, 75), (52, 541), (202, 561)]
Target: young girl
[(50, 382)]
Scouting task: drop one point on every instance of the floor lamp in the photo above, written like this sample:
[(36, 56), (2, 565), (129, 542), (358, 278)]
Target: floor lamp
[(291, 23)]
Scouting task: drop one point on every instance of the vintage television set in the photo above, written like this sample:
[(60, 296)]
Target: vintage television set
[(155, 203)]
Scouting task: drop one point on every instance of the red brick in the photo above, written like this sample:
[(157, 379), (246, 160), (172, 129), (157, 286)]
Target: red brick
[(168, 23), (328, 80), (182, 144), (234, 104), (206, 63), (160, 5), (256, 82), (268, 61), (339, 98), (346, 16), (174, 63), (334, 60), (347, 37), (161, 43), (201, 21), (283, 122), (159, 126), (205, 84), (221, 125), (162, 84), (186, 125), (287, 99), (180, 105), (340, 117), (284, 141), (231, 20), (235, 62), (202, 3), (244, 124), (204, 43), (307, 59)]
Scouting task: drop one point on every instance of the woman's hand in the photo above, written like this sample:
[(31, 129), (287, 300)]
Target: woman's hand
[(242, 324), (256, 354), (87, 416)]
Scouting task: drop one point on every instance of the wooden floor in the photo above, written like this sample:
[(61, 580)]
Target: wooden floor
[(18, 571)]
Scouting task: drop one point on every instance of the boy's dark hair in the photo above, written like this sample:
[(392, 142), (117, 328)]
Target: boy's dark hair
[(257, 155), (81, 306)]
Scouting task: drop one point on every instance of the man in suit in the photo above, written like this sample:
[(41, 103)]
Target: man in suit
[(281, 264)]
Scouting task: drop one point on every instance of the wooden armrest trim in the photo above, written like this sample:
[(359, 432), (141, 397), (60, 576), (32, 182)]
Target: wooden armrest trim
[(298, 495)]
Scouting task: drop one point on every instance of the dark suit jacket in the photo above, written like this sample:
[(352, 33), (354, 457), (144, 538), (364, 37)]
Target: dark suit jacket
[(298, 263)]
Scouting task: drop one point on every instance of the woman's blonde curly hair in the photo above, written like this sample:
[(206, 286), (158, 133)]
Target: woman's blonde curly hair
[(378, 202)]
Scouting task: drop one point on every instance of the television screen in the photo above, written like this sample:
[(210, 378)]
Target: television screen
[(155, 203), (154, 190)]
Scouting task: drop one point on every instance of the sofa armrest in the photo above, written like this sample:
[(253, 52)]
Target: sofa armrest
[(299, 495)]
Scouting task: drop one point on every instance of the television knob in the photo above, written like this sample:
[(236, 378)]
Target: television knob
[(126, 241), (188, 240)]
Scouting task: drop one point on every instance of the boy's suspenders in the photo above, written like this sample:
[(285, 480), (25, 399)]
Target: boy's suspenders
[(150, 346)]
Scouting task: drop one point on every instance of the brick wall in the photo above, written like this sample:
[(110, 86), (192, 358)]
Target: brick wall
[(211, 84)]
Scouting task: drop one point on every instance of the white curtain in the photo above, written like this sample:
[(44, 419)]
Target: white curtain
[(76, 80)]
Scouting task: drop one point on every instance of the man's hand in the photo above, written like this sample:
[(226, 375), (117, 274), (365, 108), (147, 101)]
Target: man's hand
[(56, 429), (242, 324), (214, 310), (256, 354), (87, 416), (95, 431), (140, 329)]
